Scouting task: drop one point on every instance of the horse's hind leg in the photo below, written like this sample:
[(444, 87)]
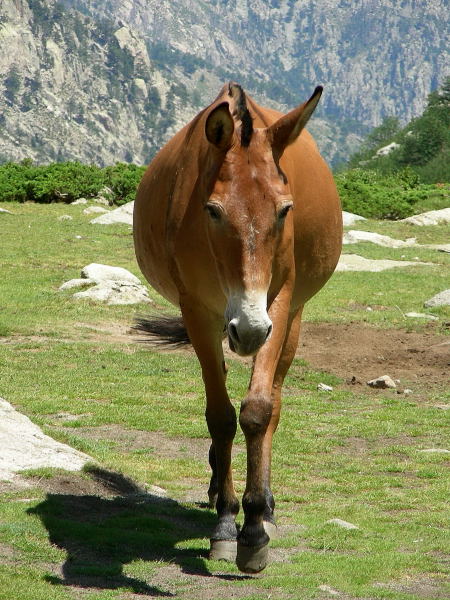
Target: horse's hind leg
[(205, 333)]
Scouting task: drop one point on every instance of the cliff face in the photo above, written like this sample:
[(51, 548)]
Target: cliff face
[(102, 81)]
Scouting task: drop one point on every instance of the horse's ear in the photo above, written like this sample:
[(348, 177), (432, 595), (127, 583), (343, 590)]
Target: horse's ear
[(287, 129), (219, 126)]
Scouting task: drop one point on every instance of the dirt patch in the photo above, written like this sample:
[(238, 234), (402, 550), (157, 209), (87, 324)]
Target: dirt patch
[(362, 352)]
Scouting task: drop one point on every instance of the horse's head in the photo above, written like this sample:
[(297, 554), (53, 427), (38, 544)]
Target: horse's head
[(248, 212)]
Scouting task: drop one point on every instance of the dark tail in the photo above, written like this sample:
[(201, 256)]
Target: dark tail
[(164, 332)]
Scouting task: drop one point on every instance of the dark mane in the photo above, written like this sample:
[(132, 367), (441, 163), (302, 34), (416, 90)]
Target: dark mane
[(242, 113)]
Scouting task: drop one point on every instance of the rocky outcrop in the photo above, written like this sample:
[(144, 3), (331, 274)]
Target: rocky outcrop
[(104, 82)]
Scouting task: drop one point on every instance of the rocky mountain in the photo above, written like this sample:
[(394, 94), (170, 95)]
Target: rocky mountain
[(107, 80)]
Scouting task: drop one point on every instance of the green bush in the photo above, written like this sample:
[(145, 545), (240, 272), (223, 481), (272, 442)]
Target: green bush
[(373, 195), (65, 182), (123, 179)]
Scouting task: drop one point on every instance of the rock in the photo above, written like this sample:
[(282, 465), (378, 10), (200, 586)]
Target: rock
[(100, 273), (385, 150), (343, 524), (79, 201), (415, 315), (438, 247), (407, 391), (25, 446), (382, 382), (3, 210), (115, 292), (113, 285), (432, 217), (435, 451), (323, 387), (94, 209), (328, 590), (123, 214), (440, 299), (349, 218), (73, 283), (354, 262), (354, 236), (65, 218)]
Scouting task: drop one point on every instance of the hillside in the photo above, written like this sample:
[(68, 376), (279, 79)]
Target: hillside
[(101, 81)]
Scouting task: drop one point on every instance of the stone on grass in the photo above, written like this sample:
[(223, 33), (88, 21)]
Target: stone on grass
[(90, 210), (112, 285), (65, 218), (79, 201), (432, 217), (328, 590), (440, 299), (435, 451), (382, 382), (74, 283), (123, 214), (115, 292), (343, 524), (4, 210), (354, 262), (349, 218), (354, 236), (98, 273), (24, 446), (323, 387), (416, 315)]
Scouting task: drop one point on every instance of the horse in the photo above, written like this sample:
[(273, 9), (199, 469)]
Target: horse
[(237, 222)]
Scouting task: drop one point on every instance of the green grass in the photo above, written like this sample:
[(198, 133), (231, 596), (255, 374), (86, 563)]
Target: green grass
[(354, 455)]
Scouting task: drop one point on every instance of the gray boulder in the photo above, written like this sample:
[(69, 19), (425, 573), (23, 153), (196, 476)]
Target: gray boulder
[(115, 292), (25, 446), (99, 273), (123, 214), (441, 299)]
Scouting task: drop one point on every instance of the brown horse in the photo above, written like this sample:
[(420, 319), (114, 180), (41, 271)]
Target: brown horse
[(237, 221)]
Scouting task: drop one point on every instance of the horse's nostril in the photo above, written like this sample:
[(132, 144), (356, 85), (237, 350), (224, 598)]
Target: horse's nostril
[(232, 329), (269, 331)]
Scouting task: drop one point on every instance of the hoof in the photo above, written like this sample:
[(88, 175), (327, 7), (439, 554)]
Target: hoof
[(223, 550), (271, 529), (252, 559)]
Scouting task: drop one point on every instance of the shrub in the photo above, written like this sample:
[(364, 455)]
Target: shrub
[(65, 182), (370, 194)]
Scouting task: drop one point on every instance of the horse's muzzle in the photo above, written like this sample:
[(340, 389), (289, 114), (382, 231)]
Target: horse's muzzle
[(249, 325)]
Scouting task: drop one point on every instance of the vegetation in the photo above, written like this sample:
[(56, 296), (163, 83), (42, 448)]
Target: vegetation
[(372, 194), (66, 182), (392, 184), (423, 144), (353, 454)]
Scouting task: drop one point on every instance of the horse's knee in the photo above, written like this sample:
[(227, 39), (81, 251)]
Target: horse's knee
[(255, 415), (222, 424)]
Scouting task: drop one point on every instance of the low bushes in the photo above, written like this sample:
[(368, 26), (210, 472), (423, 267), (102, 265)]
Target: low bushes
[(373, 195), (65, 182)]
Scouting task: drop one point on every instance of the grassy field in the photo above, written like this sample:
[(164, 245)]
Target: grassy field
[(355, 454)]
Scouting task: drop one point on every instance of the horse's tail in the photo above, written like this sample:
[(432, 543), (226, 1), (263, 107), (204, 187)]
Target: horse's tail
[(164, 332)]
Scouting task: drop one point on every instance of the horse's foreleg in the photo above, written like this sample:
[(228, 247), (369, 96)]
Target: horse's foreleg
[(205, 333), (285, 361), (258, 418)]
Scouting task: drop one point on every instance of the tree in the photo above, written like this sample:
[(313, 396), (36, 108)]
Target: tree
[(12, 84)]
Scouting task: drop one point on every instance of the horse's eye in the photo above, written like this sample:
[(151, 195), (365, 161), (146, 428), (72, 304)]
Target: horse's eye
[(282, 213), (214, 211)]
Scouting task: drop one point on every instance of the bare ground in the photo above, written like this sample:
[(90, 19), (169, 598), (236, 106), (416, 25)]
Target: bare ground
[(354, 352), (362, 352)]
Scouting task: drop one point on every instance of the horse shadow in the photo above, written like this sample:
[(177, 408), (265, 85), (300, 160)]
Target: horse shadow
[(103, 534)]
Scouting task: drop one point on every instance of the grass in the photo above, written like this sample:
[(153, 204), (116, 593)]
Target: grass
[(353, 455)]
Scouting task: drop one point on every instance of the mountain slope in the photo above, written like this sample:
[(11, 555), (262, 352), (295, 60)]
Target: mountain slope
[(110, 80)]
